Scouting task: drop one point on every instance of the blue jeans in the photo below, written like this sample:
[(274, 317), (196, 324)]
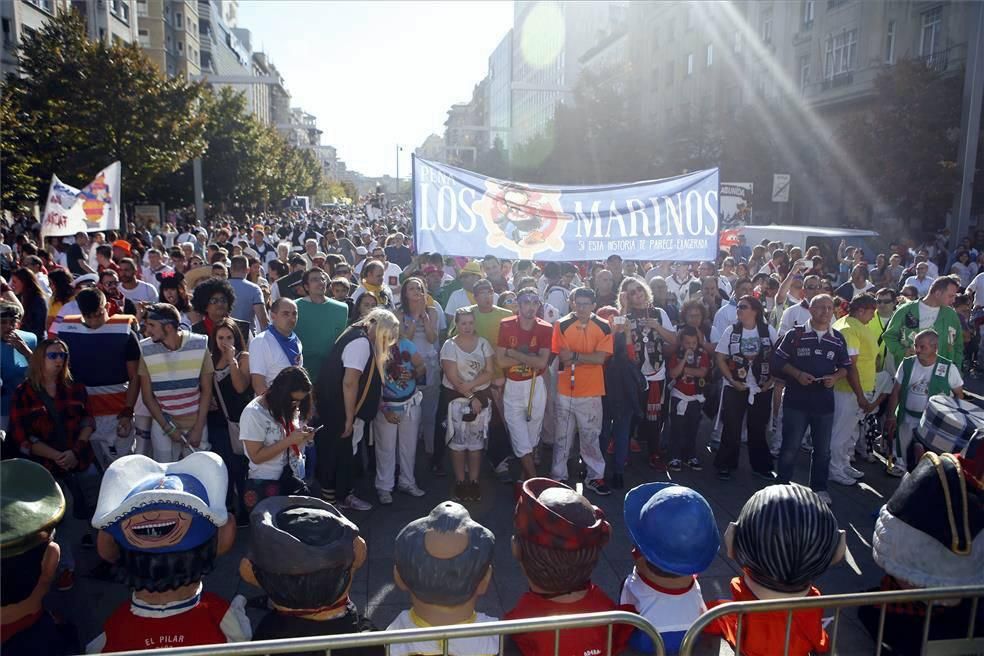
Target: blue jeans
[(794, 424)]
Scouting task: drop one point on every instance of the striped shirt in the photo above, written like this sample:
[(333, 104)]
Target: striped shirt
[(99, 359), (174, 375)]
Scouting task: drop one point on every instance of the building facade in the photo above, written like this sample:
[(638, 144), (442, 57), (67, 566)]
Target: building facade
[(499, 90), (167, 31), (109, 21), (549, 39)]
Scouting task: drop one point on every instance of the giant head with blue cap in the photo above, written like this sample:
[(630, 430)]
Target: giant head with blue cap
[(165, 523), (672, 528)]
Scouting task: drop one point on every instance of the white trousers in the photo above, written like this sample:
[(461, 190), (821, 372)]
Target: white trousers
[(396, 441), (580, 415), (106, 445), (844, 431), (164, 449), (524, 433)]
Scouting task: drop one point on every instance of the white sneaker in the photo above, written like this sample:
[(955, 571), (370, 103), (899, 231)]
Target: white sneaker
[(854, 473), (385, 497), (841, 478), (353, 502), (412, 490), (867, 457), (825, 497)]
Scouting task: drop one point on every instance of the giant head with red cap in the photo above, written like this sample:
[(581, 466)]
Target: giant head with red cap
[(558, 536)]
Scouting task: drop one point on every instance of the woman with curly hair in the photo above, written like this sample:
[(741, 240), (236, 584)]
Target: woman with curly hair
[(213, 299)]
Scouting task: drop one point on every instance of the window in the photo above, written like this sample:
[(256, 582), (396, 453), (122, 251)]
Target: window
[(178, 21), (669, 74), (141, 7), (44, 5), (102, 34), (804, 69), (690, 63), (181, 46), (890, 43), (710, 55), (840, 54), (765, 26), (144, 38), (7, 36), (809, 13), (932, 24)]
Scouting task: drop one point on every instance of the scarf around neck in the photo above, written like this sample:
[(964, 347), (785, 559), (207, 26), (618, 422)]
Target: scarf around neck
[(290, 345)]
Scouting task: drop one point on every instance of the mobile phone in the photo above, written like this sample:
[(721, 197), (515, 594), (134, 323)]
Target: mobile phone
[(314, 430), (805, 263), (619, 320)]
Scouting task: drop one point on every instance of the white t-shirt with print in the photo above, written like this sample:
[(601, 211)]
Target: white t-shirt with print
[(917, 397), (470, 365), (748, 345), (927, 315), (256, 424)]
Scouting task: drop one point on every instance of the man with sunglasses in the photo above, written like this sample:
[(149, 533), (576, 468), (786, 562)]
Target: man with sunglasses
[(799, 314), (105, 358), (116, 302)]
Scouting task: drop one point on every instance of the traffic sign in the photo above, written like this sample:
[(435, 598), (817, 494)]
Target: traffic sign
[(780, 188)]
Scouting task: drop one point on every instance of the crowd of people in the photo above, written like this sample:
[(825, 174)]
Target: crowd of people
[(311, 355)]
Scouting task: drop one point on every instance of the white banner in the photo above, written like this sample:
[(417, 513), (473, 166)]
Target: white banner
[(93, 208)]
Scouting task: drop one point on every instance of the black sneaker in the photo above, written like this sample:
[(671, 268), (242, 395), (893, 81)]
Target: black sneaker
[(474, 491), (675, 465), (724, 474), (598, 486), (88, 542), (769, 476), (438, 470), (461, 492), (618, 482), (694, 464)]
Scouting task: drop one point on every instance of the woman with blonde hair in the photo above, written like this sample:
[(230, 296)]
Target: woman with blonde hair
[(347, 399)]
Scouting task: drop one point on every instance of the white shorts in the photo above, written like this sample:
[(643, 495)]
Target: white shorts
[(106, 445), (467, 435)]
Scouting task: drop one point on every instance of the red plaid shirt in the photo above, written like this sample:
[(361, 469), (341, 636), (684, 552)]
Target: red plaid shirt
[(30, 422)]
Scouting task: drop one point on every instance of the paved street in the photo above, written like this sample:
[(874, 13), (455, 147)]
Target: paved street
[(91, 601)]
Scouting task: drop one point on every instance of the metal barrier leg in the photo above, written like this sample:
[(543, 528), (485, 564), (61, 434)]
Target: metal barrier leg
[(833, 632), (556, 642), (738, 635), (925, 635), (609, 650), (973, 617), (789, 629), (881, 630)]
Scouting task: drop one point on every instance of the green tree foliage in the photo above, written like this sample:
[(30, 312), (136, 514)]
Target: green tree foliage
[(906, 141), (17, 186), (84, 104)]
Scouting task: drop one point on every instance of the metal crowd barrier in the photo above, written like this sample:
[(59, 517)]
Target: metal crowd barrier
[(968, 645), (443, 634)]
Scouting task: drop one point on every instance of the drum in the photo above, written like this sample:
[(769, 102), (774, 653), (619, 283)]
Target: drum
[(948, 424)]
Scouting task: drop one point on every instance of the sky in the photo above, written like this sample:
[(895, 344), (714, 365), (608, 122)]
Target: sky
[(377, 74)]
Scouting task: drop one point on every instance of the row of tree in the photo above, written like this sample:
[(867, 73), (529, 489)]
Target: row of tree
[(895, 155), (80, 104)]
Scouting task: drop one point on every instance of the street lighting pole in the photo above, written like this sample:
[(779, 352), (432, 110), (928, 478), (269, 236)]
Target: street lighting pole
[(397, 195)]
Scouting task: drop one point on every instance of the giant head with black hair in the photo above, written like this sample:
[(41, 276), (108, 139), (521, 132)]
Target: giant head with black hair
[(209, 289)]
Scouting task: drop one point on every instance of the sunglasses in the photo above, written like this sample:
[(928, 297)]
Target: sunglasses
[(886, 302), (56, 355), (812, 288)]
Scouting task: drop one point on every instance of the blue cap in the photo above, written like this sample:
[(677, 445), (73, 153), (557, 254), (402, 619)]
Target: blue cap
[(672, 526)]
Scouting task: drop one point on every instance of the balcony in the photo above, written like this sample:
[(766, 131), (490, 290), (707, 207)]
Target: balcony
[(947, 60), (840, 80)]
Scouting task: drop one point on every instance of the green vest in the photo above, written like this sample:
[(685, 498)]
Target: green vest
[(937, 384)]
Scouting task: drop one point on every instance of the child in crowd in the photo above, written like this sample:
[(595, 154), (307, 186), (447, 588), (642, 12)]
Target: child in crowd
[(663, 585), (688, 369)]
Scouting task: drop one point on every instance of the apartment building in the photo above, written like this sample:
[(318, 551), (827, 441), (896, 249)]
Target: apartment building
[(168, 34)]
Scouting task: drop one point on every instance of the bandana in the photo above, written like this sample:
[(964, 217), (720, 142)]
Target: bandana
[(538, 524), (376, 291), (290, 345)]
